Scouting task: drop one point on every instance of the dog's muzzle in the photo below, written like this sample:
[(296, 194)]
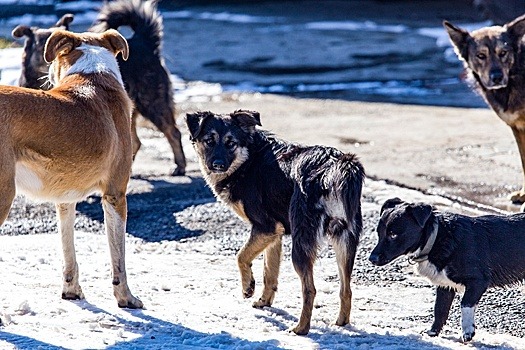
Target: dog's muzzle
[(218, 166)]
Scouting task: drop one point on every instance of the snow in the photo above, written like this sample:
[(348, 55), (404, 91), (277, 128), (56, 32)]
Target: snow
[(193, 300)]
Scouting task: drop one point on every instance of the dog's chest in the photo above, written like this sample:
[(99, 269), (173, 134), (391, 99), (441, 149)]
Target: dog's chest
[(437, 277), (511, 119)]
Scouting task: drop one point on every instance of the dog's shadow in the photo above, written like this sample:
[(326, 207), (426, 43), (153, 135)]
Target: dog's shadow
[(151, 214), (154, 333), (330, 337)]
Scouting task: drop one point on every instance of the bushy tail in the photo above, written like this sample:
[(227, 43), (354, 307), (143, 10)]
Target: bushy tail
[(353, 177), (142, 16)]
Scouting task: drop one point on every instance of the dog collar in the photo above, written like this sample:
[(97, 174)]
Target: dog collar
[(421, 255)]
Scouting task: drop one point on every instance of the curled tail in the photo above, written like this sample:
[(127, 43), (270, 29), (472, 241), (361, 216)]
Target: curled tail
[(353, 177), (142, 16)]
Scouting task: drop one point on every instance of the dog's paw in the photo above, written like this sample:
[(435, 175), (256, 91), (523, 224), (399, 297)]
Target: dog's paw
[(178, 172), (132, 303), (517, 197), (300, 330), (250, 290), (432, 332), (72, 296), (341, 322), (467, 336), (259, 304)]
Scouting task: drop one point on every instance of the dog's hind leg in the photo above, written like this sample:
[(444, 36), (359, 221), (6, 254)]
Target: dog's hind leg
[(256, 244), (115, 212), (519, 135), (444, 298), (66, 221), (345, 249), (8, 188), (272, 262)]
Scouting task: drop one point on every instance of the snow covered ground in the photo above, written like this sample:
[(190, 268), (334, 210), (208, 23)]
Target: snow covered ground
[(193, 300)]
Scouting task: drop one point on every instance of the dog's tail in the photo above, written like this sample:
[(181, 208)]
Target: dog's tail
[(142, 16), (351, 182)]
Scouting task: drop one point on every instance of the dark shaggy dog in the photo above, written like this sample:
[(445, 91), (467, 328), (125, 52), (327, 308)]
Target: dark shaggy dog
[(455, 252), (145, 76), (280, 187), (34, 67), (494, 59)]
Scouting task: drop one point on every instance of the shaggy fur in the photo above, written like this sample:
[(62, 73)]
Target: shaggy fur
[(455, 252), (280, 187)]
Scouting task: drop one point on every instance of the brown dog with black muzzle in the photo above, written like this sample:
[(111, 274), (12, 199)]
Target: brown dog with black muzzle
[(63, 144)]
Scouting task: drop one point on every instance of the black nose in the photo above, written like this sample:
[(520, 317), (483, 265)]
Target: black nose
[(496, 76), (374, 258), (219, 165)]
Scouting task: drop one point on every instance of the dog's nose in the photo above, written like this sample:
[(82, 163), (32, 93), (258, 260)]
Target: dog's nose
[(219, 165), (496, 76), (374, 258)]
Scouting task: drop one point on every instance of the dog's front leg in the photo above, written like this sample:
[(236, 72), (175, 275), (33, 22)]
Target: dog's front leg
[(115, 210), (519, 135), (66, 221), (469, 302), (272, 262), (257, 242), (444, 298)]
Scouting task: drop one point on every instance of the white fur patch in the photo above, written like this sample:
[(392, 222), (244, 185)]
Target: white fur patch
[(26, 180), (96, 59), (467, 320), (440, 278)]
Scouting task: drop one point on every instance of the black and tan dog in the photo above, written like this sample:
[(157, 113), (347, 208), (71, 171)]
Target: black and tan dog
[(495, 62), (63, 144), (145, 76), (280, 187), (455, 252)]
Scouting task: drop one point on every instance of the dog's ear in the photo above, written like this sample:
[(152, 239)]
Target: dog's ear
[(195, 121), (516, 28), (421, 212), (459, 38), (60, 42), (117, 43), (65, 20), (390, 203), (21, 31), (247, 120)]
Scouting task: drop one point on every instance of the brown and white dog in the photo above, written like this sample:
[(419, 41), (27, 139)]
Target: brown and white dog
[(66, 143), (495, 62)]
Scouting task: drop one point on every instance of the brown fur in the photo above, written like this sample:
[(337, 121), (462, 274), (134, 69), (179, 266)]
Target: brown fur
[(63, 144), (494, 58)]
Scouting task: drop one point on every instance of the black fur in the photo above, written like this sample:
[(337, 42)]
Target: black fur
[(145, 75), (474, 253), (280, 183)]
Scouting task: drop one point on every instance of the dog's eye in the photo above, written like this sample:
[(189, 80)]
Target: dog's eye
[(392, 235), (209, 142), (502, 53), (481, 56), (230, 144)]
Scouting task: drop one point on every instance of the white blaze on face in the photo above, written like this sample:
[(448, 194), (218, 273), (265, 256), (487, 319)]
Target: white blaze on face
[(96, 59)]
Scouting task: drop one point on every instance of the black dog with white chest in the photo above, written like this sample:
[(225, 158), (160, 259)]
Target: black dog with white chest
[(281, 187), (457, 253)]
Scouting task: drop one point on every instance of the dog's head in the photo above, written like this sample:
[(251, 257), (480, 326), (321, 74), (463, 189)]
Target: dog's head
[(221, 141), (86, 52), (401, 230), (34, 42), (489, 52)]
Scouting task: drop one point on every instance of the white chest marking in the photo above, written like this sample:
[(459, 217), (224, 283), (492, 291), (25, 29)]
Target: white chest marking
[(96, 59), (440, 278), (26, 180)]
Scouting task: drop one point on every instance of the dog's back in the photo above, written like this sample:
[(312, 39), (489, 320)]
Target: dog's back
[(493, 246)]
